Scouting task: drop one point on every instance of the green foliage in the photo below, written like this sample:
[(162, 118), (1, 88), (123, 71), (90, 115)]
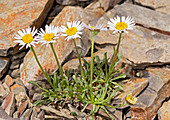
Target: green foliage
[(76, 88)]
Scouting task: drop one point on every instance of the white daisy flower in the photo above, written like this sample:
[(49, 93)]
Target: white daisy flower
[(121, 24), (98, 27), (73, 31), (25, 37), (48, 36)]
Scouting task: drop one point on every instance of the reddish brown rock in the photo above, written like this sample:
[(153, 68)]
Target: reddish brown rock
[(22, 108), (164, 111), (10, 19), (138, 114), (16, 89), (8, 80), (9, 104)]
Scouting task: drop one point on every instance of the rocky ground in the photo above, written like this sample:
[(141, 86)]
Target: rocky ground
[(145, 51)]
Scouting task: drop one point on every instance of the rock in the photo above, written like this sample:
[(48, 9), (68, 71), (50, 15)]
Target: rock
[(37, 96), (34, 114), (108, 4), (6, 87), (75, 110), (3, 92), (15, 64), (138, 113), (67, 2), (17, 89), (73, 2), (104, 49), (147, 46), (41, 115), (27, 114), (158, 5), (164, 112), (64, 49), (44, 14), (157, 92), (9, 104), (8, 80), (20, 56), (33, 89), (11, 22), (5, 116), (157, 78), (4, 63), (94, 5), (16, 114), (134, 86), (155, 20), (21, 97), (15, 73), (22, 108), (74, 63), (58, 113), (18, 81)]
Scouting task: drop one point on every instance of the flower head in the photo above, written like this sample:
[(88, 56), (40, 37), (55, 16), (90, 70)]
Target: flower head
[(130, 99), (121, 24), (49, 35), (26, 37), (98, 27), (73, 30)]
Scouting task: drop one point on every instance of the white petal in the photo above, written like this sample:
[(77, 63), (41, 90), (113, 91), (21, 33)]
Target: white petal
[(20, 33), (69, 24)]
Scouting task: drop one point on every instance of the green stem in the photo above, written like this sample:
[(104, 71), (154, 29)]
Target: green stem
[(59, 66), (115, 56), (82, 72), (48, 79), (91, 67)]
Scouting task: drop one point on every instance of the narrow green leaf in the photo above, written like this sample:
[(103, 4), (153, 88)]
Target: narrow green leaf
[(34, 83)]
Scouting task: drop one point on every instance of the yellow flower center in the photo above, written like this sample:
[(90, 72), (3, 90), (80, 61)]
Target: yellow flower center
[(91, 27), (48, 37), (71, 31), (131, 99), (28, 38), (121, 26)]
